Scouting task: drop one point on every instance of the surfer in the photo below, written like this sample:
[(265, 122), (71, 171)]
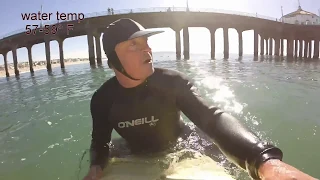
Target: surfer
[(143, 104)]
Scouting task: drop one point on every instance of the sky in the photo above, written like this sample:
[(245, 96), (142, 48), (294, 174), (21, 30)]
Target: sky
[(77, 47)]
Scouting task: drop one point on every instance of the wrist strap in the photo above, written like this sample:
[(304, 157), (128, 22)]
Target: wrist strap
[(270, 152)]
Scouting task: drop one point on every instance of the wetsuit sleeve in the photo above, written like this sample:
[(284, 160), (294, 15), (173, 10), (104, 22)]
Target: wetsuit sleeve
[(240, 145), (101, 131)]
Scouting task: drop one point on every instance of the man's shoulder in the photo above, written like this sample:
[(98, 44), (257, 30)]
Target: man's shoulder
[(106, 88), (169, 80), (170, 75)]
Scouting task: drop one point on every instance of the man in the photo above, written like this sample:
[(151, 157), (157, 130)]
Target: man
[(143, 105)]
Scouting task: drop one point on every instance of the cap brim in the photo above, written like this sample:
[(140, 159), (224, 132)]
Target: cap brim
[(145, 33)]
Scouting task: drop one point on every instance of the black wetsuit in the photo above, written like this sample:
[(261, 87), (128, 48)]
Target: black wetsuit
[(148, 118)]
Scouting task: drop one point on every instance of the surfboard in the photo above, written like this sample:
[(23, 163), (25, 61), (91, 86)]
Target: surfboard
[(197, 167)]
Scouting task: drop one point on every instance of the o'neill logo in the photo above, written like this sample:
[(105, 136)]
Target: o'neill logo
[(136, 122)]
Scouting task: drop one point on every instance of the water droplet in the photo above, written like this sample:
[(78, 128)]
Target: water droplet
[(67, 139), (51, 146), (49, 123), (15, 138)]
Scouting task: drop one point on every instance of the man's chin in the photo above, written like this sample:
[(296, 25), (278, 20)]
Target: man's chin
[(150, 71)]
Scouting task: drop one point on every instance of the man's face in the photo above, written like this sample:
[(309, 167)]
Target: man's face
[(136, 57)]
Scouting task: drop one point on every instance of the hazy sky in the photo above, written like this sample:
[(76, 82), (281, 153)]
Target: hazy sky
[(10, 20)]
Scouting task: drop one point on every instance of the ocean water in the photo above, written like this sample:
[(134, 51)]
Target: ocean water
[(45, 121)]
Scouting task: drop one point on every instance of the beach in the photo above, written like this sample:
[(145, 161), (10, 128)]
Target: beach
[(39, 65)]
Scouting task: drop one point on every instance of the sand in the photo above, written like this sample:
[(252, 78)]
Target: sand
[(26, 69)]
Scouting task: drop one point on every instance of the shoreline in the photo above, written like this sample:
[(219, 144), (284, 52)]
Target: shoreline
[(38, 65)]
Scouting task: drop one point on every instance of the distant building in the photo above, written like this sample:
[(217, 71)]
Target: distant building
[(301, 17)]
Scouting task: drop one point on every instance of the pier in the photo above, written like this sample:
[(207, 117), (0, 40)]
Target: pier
[(300, 38)]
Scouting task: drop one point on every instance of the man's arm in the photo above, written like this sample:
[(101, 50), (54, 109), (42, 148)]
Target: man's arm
[(101, 131), (239, 144)]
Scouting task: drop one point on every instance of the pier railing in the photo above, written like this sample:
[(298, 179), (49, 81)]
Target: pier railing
[(150, 10)]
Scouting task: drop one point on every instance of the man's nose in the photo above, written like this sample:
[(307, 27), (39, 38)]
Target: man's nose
[(147, 48), (147, 51)]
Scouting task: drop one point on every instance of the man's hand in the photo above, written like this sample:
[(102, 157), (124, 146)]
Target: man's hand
[(95, 173), (275, 169)]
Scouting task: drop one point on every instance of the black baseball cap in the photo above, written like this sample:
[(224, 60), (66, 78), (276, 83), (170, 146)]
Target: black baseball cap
[(122, 30)]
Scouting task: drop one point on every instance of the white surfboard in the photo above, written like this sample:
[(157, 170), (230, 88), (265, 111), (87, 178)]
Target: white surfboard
[(198, 167)]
